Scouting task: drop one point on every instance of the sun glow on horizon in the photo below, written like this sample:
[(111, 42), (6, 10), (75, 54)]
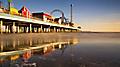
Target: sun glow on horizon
[(102, 27)]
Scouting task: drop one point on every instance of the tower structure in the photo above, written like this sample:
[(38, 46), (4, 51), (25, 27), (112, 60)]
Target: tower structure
[(71, 13)]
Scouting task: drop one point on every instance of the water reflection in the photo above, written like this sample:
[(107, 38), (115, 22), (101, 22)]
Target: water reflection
[(17, 52), (59, 50)]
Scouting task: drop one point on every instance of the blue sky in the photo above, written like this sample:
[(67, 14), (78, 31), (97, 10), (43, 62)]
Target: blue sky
[(92, 15)]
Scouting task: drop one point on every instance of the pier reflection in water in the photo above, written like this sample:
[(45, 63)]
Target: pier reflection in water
[(24, 53), (60, 50)]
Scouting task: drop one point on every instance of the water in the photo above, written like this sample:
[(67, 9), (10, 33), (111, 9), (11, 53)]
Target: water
[(60, 50)]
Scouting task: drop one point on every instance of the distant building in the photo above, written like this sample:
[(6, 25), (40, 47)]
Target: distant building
[(76, 25), (58, 20), (1, 10), (25, 12), (43, 16)]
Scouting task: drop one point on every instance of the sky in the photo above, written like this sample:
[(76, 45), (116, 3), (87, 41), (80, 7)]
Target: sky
[(92, 15)]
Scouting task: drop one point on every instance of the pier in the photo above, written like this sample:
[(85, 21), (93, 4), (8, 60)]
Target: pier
[(14, 20), (16, 24)]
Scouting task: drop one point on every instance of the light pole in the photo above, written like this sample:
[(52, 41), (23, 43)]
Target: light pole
[(9, 5)]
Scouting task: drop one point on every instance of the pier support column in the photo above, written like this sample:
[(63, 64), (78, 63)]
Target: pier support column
[(44, 29), (54, 29), (35, 29), (62, 30), (13, 28), (58, 29), (27, 29), (30, 28), (41, 28), (7, 29), (23, 29), (1, 24), (49, 29), (18, 30)]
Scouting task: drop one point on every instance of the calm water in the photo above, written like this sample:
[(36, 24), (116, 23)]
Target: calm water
[(60, 50)]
